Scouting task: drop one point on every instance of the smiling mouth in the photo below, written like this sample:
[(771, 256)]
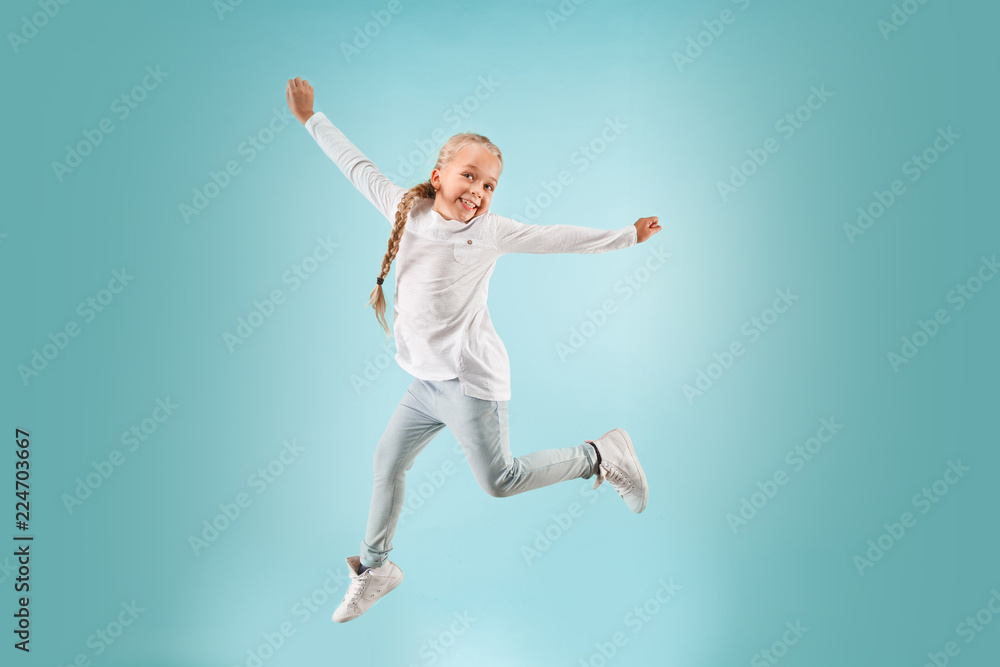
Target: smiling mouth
[(469, 206)]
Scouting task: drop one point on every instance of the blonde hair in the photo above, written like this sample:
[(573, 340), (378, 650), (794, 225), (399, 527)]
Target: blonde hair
[(427, 191)]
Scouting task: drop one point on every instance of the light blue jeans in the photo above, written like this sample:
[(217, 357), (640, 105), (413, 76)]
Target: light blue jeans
[(480, 427)]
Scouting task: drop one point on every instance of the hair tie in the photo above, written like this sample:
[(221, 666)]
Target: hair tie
[(378, 281)]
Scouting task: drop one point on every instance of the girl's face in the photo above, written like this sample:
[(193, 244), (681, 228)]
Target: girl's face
[(465, 186)]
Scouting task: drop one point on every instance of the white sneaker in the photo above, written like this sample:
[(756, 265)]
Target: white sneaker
[(620, 466), (366, 588)]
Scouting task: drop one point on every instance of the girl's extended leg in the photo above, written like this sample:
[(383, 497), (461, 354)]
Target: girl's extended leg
[(411, 427), (481, 428)]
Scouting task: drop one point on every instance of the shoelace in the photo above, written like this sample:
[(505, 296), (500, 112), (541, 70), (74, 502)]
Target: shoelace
[(623, 483), (358, 587)]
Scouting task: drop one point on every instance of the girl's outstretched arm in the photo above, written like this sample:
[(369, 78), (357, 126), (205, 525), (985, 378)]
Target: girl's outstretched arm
[(513, 236), (360, 171)]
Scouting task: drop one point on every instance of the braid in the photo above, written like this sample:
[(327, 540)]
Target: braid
[(377, 298)]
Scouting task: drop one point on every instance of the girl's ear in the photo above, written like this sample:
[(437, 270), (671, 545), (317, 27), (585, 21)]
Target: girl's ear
[(436, 178)]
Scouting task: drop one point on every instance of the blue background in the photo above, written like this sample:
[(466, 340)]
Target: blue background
[(559, 73)]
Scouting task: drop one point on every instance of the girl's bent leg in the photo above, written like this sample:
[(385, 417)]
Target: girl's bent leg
[(481, 428), (409, 430)]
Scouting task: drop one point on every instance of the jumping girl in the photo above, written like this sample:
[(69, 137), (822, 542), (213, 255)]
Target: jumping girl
[(446, 341)]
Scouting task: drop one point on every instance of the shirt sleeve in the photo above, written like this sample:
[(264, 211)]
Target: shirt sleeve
[(513, 236), (360, 171)]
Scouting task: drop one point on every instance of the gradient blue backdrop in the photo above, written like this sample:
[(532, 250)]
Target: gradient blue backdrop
[(531, 584)]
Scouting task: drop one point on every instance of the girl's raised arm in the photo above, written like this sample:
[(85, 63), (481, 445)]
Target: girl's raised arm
[(360, 171), (513, 236)]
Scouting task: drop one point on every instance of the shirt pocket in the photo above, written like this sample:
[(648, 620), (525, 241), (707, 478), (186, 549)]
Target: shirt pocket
[(467, 251)]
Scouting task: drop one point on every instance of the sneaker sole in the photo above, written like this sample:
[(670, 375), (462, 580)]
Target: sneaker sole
[(638, 466)]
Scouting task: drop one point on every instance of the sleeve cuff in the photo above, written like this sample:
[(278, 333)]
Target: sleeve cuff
[(313, 119)]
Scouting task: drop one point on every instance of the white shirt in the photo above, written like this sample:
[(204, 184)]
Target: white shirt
[(440, 320)]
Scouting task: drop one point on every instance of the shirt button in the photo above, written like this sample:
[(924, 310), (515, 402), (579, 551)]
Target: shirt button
[(469, 241)]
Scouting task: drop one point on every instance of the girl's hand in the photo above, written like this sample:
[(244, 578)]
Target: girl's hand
[(646, 227), (299, 94)]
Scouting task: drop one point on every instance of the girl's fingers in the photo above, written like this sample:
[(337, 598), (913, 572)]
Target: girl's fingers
[(299, 82)]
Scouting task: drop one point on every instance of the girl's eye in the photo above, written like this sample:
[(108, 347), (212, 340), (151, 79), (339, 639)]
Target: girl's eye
[(489, 185)]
